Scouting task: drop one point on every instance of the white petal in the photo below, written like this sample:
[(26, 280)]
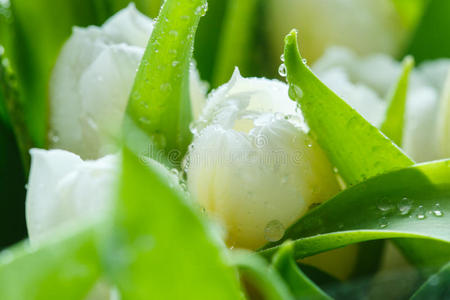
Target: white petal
[(63, 189)]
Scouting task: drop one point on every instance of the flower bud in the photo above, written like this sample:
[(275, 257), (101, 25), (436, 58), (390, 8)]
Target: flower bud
[(252, 164), (367, 26), (92, 80), (64, 188), (365, 83)]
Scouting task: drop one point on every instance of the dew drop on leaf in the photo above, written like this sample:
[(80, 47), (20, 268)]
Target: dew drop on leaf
[(383, 222), (384, 204), (420, 212), (437, 211), (282, 57), (282, 70), (274, 231), (404, 205), (295, 92)]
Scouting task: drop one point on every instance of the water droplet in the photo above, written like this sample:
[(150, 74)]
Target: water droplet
[(144, 120), (404, 205), (437, 211), (335, 170), (384, 204), (383, 222), (420, 212), (282, 70), (295, 92), (173, 33), (274, 231), (282, 57), (304, 61), (201, 10), (175, 63)]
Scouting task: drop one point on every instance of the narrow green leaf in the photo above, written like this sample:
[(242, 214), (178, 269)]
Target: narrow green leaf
[(408, 203), (160, 248), (301, 286), (431, 39), (395, 115), (436, 287), (261, 276), (354, 146), (234, 43), (14, 113), (159, 102), (64, 268)]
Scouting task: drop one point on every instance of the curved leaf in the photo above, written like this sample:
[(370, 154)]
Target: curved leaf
[(258, 273), (408, 203), (159, 103), (64, 268), (301, 286), (354, 146), (152, 215), (436, 287), (395, 115)]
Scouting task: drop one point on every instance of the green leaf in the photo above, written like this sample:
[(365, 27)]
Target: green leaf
[(354, 146), (13, 110), (408, 203), (410, 11), (208, 36), (257, 273), (64, 268), (395, 115), (160, 247), (301, 286), (234, 44), (436, 287), (159, 103), (431, 39)]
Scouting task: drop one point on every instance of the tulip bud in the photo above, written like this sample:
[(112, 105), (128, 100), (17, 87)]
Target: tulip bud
[(365, 83), (367, 26), (92, 80), (61, 188), (252, 164)]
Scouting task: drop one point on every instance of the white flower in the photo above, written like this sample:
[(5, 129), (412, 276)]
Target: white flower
[(92, 80), (367, 26), (63, 188), (252, 164), (365, 84)]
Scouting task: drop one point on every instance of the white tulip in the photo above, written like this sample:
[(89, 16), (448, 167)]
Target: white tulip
[(367, 26), (252, 164), (63, 188), (365, 84), (92, 80)]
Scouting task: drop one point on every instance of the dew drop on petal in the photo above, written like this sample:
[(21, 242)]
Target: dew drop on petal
[(274, 231)]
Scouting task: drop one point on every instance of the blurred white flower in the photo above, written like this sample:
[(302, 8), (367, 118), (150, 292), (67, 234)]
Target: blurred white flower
[(63, 188), (252, 164), (367, 26), (365, 84), (92, 80)]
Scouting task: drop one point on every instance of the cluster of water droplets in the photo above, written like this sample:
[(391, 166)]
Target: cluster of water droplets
[(406, 207)]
